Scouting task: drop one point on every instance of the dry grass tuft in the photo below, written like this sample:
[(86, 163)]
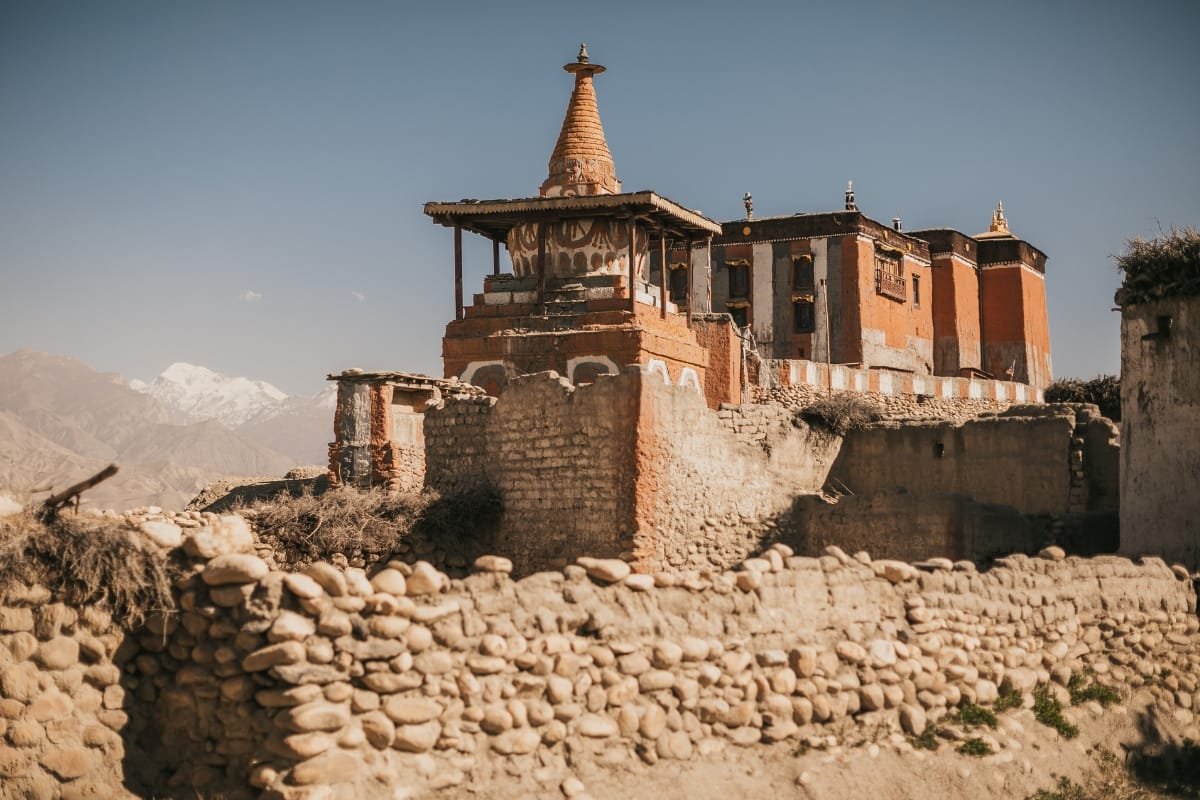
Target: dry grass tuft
[(86, 561), (1166, 266), (366, 526)]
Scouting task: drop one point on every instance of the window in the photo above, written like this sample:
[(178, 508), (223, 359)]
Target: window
[(802, 273), (739, 278), (739, 315), (916, 291), (803, 320)]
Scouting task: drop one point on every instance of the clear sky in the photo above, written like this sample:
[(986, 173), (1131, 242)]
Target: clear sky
[(239, 184)]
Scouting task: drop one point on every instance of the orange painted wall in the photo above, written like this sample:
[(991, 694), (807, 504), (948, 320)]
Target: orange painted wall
[(1037, 328), (955, 315), (898, 320)]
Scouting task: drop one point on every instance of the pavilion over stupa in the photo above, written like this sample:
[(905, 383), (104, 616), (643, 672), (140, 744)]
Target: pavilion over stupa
[(591, 290)]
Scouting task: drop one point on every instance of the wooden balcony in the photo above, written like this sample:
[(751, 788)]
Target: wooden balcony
[(890, 285)]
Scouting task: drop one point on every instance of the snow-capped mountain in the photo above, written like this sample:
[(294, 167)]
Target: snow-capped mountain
[(202, 394), (296, 425)]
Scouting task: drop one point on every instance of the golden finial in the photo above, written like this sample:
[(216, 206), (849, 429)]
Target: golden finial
[(999, 223)]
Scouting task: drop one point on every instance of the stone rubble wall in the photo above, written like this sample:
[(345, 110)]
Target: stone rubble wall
[(64, 708), (891, 406), (355, 684), (627, 467), (339, 683)]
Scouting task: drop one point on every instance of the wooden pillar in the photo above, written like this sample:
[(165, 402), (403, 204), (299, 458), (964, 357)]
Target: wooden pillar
[(710, 275), (662, 275), (633, 266), (687, 297), (495, 256), (458, 278), (541, 269)]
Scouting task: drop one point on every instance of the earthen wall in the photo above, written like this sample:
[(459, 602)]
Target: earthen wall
[(1160, 429)]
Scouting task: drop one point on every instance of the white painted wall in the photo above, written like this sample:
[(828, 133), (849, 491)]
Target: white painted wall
[(762, 292), (820, 340)]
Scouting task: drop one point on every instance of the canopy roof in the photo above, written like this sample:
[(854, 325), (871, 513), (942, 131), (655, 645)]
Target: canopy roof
[(495, 218)]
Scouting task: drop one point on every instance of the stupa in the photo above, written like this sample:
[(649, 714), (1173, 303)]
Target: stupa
[(579, 299)]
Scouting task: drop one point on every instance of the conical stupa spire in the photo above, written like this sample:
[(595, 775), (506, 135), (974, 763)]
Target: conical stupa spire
[(581, 163)]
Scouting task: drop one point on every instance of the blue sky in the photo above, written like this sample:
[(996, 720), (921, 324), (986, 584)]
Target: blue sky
[(239, 184)]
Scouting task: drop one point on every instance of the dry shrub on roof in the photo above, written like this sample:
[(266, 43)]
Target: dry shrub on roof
[(86, 561), (840, 413), (368, 526), (359, 524), (1166, 266)]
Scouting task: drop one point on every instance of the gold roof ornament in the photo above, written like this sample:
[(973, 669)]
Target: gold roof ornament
[(999, 227), (581, 163), (999, 223)]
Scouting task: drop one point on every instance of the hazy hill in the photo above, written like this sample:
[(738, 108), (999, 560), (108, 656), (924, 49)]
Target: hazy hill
[(60, 421)]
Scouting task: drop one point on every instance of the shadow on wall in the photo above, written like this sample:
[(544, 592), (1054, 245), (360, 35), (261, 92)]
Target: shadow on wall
[(1167, 766), (896, 524)]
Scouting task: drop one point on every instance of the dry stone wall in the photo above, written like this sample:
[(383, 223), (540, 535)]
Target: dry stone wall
[(339, 683), (890, 406), (63, 703)]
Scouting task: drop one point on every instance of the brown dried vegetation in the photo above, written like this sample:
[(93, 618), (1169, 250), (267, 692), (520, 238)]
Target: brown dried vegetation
[(86, 561), (367, 526)]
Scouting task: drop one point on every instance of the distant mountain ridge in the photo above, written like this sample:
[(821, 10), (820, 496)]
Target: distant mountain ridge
[(60, 421), (201, 394), (296, 425)]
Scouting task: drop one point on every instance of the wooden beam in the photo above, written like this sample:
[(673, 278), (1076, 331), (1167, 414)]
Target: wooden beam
[(662, 275), (458, 273), (49, 509), (495, 256)]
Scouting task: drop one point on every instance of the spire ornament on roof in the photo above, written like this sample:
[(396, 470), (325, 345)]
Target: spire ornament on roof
[(851, 205), (581, 163), (999, 222)]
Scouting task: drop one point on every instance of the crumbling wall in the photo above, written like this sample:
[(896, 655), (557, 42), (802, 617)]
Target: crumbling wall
[(899, 525), (710, 483), (1160, 428), (628, 466), (1019, 459)]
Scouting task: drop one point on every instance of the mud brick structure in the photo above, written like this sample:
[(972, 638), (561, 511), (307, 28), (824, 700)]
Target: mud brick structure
[(1160, 426), (378, 427)]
